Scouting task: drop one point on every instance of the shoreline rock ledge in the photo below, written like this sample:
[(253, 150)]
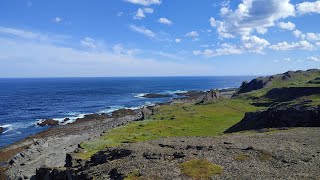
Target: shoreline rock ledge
[(48, 122)]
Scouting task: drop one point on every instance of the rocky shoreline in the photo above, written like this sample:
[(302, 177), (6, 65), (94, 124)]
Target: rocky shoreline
[(50, 147)]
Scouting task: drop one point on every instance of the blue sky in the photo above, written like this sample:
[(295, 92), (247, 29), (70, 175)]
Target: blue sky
[(157, 37)]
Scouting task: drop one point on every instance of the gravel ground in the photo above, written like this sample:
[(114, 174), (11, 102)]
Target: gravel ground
[(285, 154)]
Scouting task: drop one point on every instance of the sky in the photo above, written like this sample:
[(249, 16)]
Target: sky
[(100, 38)]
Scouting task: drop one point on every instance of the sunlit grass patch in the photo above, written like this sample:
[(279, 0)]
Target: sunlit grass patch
[(189, 120), (200, 169)]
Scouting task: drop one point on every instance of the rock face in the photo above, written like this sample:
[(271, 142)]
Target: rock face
[(48, 122), (1, 130), (285, 116), (287, 94), (156, 95), (255, 84)]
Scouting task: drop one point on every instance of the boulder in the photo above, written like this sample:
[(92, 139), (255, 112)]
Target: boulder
[(147, 111), (211, 96), (48, 122)]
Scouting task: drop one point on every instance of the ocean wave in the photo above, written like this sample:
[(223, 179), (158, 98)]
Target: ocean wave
[(15, 126), (140, 95), (111, 109), (72, 118), (174, 92)]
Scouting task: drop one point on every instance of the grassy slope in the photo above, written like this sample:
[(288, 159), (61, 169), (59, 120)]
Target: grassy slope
[(176, 120), (195, 120)]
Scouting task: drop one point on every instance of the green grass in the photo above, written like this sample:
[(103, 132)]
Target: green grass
[(200, 169), (175, 120), (241, 157)]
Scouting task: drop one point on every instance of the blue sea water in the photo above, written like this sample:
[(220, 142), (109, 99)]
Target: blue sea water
[(23, 102)]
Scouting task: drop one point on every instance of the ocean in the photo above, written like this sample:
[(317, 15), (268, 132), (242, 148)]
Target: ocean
[(26, 101)]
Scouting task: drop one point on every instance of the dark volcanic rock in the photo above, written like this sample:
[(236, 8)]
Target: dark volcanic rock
[(156, 95), (284, 116), (49, 122), (287, 94), (255, 84), (109, 155), (58, 174)]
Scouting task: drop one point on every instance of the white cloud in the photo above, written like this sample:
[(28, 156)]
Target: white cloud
[(250, 16), (287, 26), (307, 36), (249, 44), (57, 19), (225, 49), (284, 46), (165, 21), (297, 33), (35, 36), (142, 30), (308, 7), (145, 2), (177, 40), (313, 36), (254, 43), (192, 34), (314, 58), (118, 49), (140, 14), (88, 42)]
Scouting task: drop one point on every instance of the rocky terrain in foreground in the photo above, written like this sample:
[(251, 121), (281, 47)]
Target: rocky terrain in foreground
[(293, 154)]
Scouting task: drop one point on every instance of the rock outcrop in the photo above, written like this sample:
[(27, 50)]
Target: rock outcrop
[(284, 116), (263, 82), (1, 130), (48, 122), (287, 94), (156, 95), (199, 97)]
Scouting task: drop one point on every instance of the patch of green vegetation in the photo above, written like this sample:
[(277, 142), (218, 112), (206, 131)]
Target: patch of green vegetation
[(200, 169), (134, 175), (264, 155), (241, 157), (189, 120)]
